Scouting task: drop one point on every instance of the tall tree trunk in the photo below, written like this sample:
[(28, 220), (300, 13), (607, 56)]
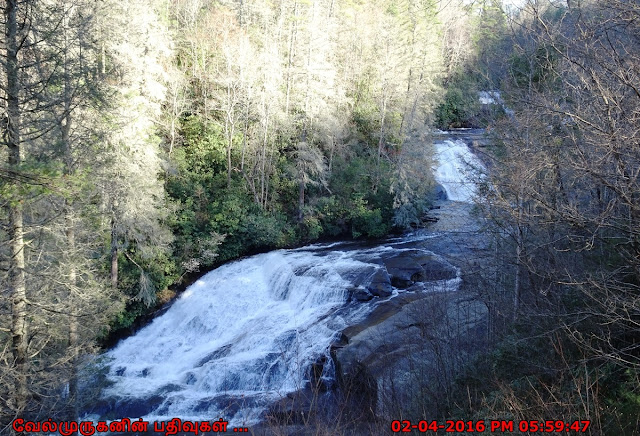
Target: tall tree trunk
[(383, 115), (300, 200), (517, 279), (263, 176), (114, 252), (245, 135), (17, 282), (73, 313), (70, 225), (230, 131), (292, 44), (72, 285), (517, 286), (19, 326)]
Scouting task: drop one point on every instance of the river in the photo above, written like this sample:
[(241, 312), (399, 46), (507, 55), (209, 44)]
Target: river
[(253, 332)]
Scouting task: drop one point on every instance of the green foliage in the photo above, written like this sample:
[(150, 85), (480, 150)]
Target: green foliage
[(31, 179), (311, 228), (621, 389), (366, 221), (204, 149), (354, 208), (205, 205), (246, 227), (365, 114), (460, 107), (332, 215), (408, 215), (490, 43), (127, 317)]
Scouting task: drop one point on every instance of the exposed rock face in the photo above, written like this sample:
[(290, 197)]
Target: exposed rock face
[(400, 361), (404, 271), (410, 266), (361, 294), (402, 268), (407, 342), (439, 192)]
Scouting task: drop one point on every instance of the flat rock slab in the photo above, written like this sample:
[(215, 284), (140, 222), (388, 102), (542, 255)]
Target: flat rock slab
[(397, 323)]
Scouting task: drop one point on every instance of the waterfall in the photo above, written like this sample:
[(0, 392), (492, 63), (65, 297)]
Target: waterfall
[(494, 98), (456, 169), (246, 334), (251, 332), (240, 337)]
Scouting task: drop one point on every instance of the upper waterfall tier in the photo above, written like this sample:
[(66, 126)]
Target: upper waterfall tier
[(456, 169)]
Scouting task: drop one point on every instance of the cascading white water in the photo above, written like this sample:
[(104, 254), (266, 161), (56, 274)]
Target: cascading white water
[(455, 169), (489, 97), (494, 98), (244, 335), (247, 334)]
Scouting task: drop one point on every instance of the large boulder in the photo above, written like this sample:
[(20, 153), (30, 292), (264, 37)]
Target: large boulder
[(380, 283), (439, 193), (399, 268), (404, 270), (409, 266), (360, 294)]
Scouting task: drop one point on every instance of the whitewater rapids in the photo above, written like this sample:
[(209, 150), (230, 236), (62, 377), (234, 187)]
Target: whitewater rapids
[(244, 336)]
